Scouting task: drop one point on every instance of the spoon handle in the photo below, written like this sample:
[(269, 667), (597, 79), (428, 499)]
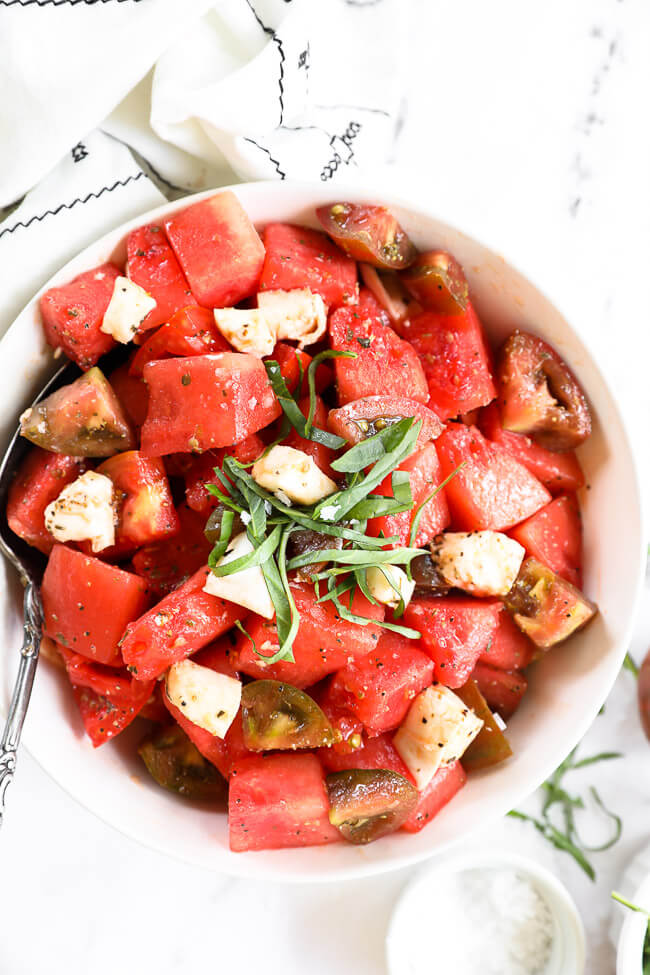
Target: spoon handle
[(22, 689)]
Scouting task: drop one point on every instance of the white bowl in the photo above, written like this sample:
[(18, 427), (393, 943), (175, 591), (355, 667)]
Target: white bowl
[(632, 926), (568, 686)]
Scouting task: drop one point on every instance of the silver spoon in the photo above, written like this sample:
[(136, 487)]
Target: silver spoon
[(30, 565)]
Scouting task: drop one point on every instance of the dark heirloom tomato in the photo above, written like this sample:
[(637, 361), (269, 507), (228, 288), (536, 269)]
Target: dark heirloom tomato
[(212, 530), (442, 788), (540, 395), (298, 257), (280, 716), (38, 481), (73, 314), (176, 764), (152, 264), (191, 331), (546, 607), (146, 511), (364, 417), (644, 694), (83, 419), (438, 282), (366, 804), (368, 233), (427, 578), (306, 540), (502, 689), (490, 745), (553, 535)]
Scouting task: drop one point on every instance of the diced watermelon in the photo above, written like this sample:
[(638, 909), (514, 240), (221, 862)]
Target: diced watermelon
[(278, 801), (39, 481), (375, 752), (424, 470), (502, 689), (152, 264), (455, 630), (218, 249), (492, 489), (224, 753), (509, 648), (553, 535), (73, 314), (168, 564), (132, 394), (297, 257), (191, 331), (441, 789)]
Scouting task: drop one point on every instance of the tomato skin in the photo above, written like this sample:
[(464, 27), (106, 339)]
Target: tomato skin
[(218, 249), (323, 456), (324, 642), (383, 360), (490, 747), (424, 470), (560, 473), (545, 606), (438, 282), (455, 632), (456, 359), (152, 264), (288, 360), (347, 727), (169, 563), (87, 603), (72, 315), (201, 472), (492, 490), (441, 789), (368, 233), (344, 420), (553, 535), (146, 509), (502, 689), (643, 693), (509, 648), (132, 394), (298, 257), (39, 481), (278, 801), (190, 331), (201, 402), (375, 752), (184, 621), (379, 687)]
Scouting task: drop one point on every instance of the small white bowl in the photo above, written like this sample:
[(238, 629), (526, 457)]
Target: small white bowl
[(567, 687), (568, 949), (629, 955)]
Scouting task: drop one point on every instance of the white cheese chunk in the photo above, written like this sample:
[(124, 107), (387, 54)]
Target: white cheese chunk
[(85, 510), (246, 588), (246, 330), (298, 314), (294, 474), (388, 583), (129, 306), (436, 732), (484, 563), (206, 698)]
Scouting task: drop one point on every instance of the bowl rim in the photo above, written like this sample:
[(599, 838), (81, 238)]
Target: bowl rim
[(629, 950), (242, 865)]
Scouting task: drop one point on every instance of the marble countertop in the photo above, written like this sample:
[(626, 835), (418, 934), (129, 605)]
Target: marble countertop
[(524, 122)]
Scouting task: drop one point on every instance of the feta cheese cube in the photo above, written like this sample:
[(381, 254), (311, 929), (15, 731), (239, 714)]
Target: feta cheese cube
[(247, 587), (206, 698), (483, 563), (437, 730), (246, 330), (387, 583), (129, 306), (294, 474), (84, 510), (297, 314)]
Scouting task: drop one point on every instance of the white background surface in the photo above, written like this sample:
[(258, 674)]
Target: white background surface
[(526, 123)]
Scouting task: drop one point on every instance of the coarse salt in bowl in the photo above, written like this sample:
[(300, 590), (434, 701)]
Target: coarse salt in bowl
[(567, 687)]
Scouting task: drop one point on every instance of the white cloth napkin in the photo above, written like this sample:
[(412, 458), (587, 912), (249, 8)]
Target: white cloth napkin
[(203, 91)]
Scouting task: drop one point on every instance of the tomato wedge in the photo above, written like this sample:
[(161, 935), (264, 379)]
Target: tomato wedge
[(368, 233)]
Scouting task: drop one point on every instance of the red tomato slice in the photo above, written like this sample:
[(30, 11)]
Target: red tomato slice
[(146, 510), (166, 565), (218, 249), (152, 264), (73, 313), (441, 789), (492, 490), (297, 257), (502, 689), (368, 233), (364, 417), (200, 402), (424, 470), (39, 481), (383, 361), (553, 535)]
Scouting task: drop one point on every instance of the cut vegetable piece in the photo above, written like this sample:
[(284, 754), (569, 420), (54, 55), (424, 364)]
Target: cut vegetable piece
[(423, 468), (372, 752), (152, 264), (437, 731), (365, 417), (146, 510), (553, 535), (483, 563), (366, 804), (509, 648), (218, 249), (560, 473), (104, 717), (368, 233), (278, 801), (540, 396), (546, 607), (383, 360), (389, 290), (245, 588), (176, 764), (492, 490), (280, 716), (83, 419), (200, 471), (132, 394), (297, 257), (322, 455), (191, 331), (427, 578), (39, 481), (73, 313), (438, 282), (87, 603), (346, 726), (206, 697), (441, 789), (503, 690), (293, 365), (455, 632), (490, 747), (184, 621), (200, 402), (168, 564), (223, 753), (456, 360)]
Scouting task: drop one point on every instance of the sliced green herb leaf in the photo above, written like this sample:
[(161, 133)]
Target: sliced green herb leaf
[(292, 412)]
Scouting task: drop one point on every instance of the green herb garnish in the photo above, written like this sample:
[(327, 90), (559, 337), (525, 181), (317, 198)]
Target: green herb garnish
[(628, 664)]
